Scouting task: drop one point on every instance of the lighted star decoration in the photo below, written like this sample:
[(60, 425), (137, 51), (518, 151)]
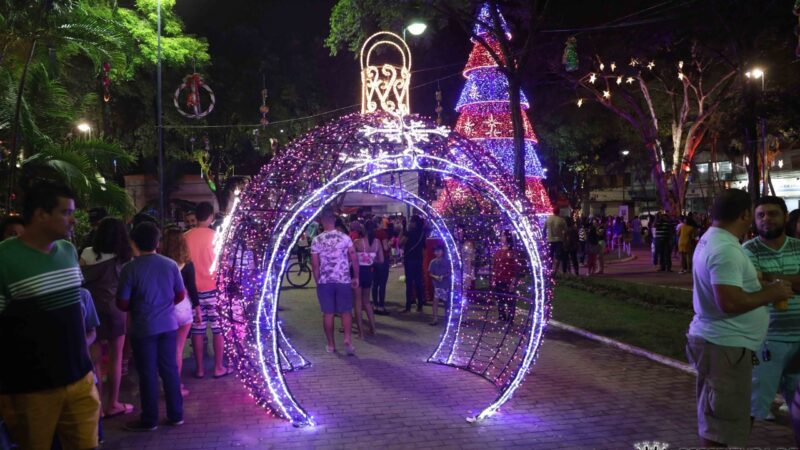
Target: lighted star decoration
[(399, 130), (592, 78), (606, 94), (492, 123), (651, 64), (468, 126), (629, 80)]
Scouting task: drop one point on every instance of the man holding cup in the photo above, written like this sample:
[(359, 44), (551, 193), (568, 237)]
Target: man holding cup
[(776, 257), (730, 322)]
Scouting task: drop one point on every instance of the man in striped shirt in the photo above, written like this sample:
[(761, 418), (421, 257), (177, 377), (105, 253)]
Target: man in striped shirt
[(46, 381), (776, 256)]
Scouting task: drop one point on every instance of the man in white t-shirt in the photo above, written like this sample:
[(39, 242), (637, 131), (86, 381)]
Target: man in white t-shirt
[(555, 228), (332, 254), (730, 322)]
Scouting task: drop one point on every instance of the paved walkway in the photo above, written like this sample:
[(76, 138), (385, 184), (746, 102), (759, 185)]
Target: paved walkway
[(581, 394), (640, 269)]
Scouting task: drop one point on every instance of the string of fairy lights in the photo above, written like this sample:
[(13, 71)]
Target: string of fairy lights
[(256, 213), (356, 152)]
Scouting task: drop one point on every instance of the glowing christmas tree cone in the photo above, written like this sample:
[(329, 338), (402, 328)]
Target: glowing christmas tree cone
[(485, 114)]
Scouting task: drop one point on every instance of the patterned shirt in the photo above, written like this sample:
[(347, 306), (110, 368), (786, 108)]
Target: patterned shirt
[(334, 262), (784, 326), (42, 334)]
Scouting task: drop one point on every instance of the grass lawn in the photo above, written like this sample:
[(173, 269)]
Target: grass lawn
[(660, 331)]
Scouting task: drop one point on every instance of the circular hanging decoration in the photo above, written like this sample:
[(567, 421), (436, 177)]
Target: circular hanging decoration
[(193, 84)]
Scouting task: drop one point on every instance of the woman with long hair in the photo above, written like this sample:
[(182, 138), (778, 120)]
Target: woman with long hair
[(369, 252), (173, 246), (384, 236), (101, 265)]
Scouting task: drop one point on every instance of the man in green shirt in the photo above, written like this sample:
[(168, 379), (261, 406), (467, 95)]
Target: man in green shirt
[(46, 381), (776, 256)]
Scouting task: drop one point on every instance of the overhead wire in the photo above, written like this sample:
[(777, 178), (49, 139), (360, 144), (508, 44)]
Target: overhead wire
[(612, 24)]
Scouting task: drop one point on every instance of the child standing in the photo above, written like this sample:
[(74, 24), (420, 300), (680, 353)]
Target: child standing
[(150, 286), (439, 269)]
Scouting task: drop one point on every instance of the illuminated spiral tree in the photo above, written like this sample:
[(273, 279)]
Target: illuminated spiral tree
[(485, 117)]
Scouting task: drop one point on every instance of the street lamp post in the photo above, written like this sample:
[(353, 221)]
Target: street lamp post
[(625, 154), (159, 122), (751, 133), (415, 28)]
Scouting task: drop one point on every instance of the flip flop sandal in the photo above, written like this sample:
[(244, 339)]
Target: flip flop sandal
[(228, 371), (127, 408)]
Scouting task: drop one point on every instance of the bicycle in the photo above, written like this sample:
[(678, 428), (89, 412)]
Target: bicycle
[(298, 274)]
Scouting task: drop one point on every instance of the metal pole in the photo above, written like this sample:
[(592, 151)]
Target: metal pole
[(159, 121)]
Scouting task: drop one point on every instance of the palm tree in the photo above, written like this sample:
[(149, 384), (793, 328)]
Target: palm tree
[(68, 26), (48, 111)]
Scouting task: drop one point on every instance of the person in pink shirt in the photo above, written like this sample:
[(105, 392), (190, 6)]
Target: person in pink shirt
[(200, 241)]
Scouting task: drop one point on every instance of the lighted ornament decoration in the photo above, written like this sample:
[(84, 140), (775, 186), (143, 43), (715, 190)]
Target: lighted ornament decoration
[(384, 87), (264, 109), (200, 98), (485, 111), (570, 57), (354, 153), (105, 79)]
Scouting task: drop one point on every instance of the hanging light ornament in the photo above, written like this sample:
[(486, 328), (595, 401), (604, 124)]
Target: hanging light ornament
[(106, 80), (264, 109), (439, 108), (570, 57), (194, 86)]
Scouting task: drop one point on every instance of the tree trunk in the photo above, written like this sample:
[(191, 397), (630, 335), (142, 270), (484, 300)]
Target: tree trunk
[(514, 87), (12, 164), (659, 177), (751, 142)]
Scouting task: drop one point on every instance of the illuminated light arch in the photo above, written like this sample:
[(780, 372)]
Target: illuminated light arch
[(346, 155)]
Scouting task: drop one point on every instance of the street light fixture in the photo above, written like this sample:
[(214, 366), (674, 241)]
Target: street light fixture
[(84, 127), (415, 28), (757, 73), (626, 152)]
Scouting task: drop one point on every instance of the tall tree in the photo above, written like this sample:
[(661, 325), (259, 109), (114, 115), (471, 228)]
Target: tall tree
[(66, 25), (684, 89)]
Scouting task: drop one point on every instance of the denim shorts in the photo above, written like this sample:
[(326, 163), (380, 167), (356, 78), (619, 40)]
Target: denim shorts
[(335, 298), (365, 277)]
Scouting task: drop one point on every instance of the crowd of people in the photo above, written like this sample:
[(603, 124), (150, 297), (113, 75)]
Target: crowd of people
[(351, 264), (585, 241), (70, 320)]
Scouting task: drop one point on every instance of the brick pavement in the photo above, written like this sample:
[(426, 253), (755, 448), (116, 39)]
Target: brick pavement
[(581, 394), (641, 270)]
